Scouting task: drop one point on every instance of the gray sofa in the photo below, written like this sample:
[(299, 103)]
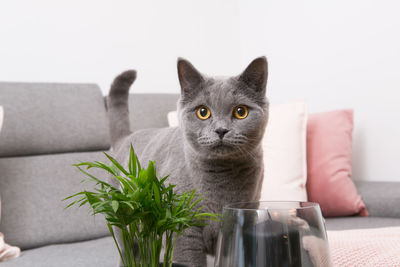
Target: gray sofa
[(48, 127)]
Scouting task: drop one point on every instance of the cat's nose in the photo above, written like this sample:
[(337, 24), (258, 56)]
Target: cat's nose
[(221, 132)]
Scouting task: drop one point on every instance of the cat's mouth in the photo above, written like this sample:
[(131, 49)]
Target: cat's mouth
[(219, 146), (222, 147), (214, 143), (219, 143)]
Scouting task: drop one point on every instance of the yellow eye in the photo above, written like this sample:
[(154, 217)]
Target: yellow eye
[(203, 113), (240, 112)]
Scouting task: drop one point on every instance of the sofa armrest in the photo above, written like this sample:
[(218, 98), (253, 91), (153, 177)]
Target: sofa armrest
[(381, 198)]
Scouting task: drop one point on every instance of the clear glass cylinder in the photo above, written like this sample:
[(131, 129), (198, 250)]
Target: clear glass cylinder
[(261, 234)]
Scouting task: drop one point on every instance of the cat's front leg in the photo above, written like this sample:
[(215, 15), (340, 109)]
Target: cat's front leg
[(210, 236), (190, 248)]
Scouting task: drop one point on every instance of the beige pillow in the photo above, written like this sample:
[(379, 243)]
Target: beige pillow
[(284, 144)]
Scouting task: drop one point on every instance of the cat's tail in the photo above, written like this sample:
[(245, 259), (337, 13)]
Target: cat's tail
[(118, 109)]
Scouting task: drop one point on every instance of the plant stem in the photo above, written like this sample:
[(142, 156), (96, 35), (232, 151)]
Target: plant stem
[(169, 248), (132, 241), (116, 243), (126, 253), (130, 248)]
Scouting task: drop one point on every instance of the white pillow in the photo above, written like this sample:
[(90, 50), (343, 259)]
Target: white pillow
[(285, 162), (173, 119), (284, 144)]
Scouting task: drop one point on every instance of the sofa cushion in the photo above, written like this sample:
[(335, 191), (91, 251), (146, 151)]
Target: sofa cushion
[(32, 189), (52, 118), (150, 110), (102, 252), (346, 223), (381, 198), (1, 117), (94, 253)]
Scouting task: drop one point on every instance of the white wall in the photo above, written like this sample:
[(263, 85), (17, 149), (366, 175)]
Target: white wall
[(334, 54), (93, 40)]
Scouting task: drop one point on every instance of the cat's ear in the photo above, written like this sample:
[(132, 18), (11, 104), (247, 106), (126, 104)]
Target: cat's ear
[(190, 79), (256, 74)]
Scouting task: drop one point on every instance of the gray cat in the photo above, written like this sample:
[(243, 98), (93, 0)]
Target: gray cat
[(216, 149)]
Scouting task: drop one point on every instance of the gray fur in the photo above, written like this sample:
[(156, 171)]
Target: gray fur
[(118, 110), (222, 170)]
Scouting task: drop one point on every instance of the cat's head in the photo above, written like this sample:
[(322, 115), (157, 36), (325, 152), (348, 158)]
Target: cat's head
[(223, 117)]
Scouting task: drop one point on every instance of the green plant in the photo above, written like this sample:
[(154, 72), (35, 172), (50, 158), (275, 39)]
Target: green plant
[(143, 207)]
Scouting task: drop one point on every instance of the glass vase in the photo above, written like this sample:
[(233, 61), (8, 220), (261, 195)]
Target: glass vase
[(261, 234)]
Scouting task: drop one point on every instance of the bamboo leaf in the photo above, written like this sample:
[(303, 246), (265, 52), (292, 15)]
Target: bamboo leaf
[(128, 204), (115, 205), (151, 171), (132, 161), (96, 179), (124, 182), (74, 195), (157, 195), (139, 168), (168, 214), (164, 179), (107, 168), (116, 164)]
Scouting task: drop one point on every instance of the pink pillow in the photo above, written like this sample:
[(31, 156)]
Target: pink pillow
[(329, 148)]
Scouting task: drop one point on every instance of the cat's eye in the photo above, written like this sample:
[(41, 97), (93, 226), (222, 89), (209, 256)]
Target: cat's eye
[(203, 113), (240, 112)]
